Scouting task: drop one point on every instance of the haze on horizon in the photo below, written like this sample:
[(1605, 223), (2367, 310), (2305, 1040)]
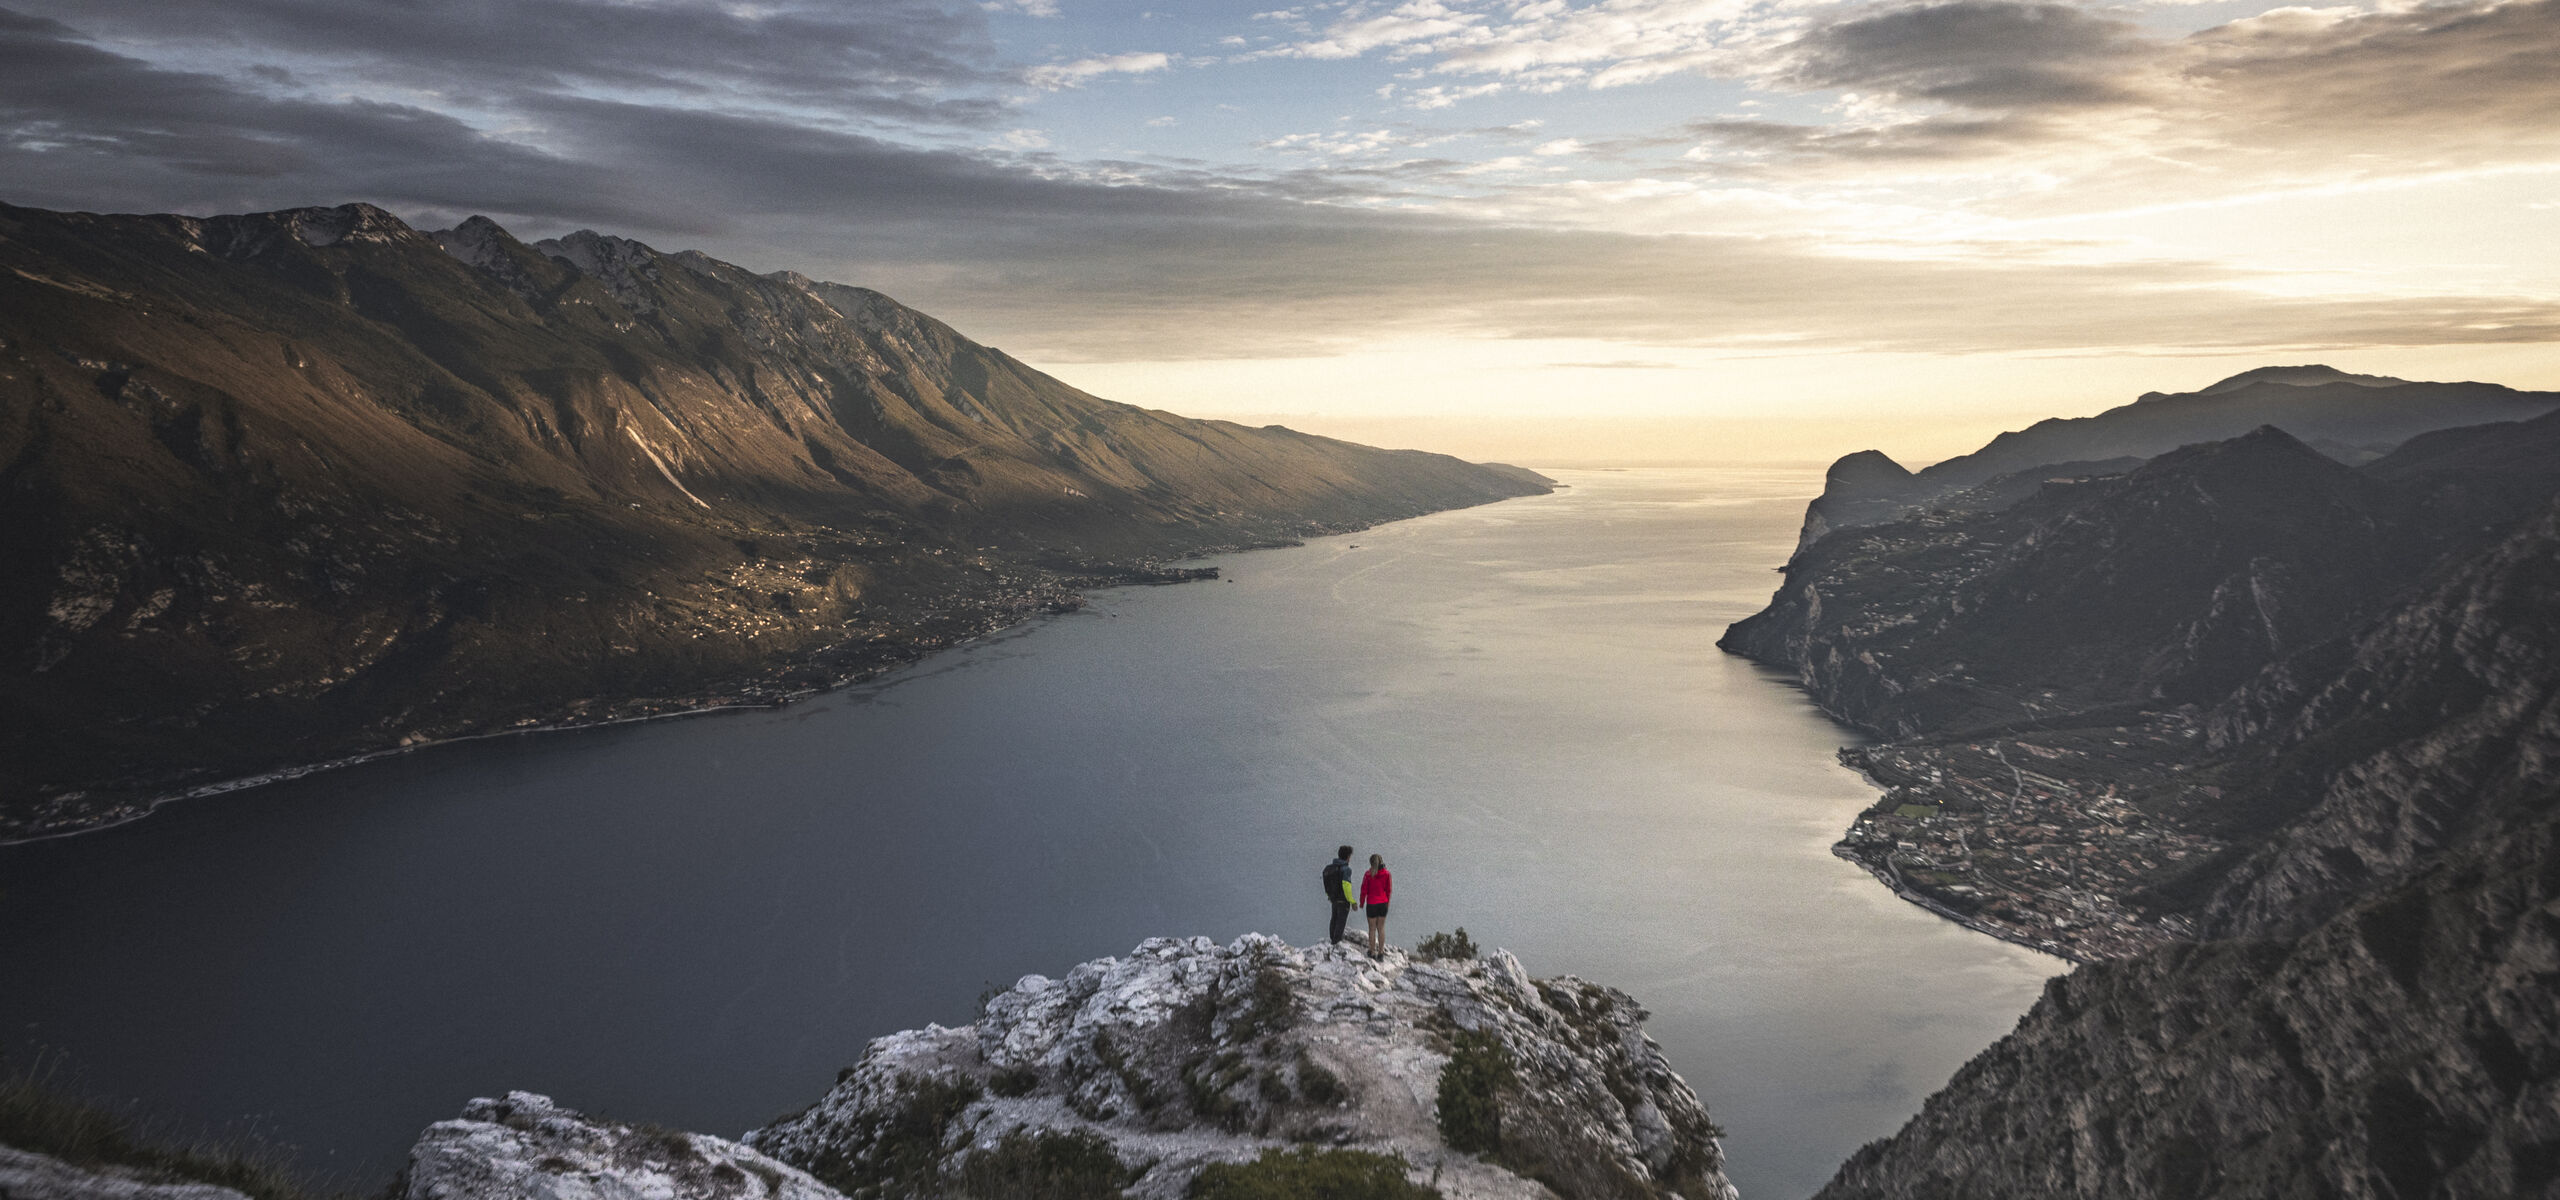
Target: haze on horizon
[(1542, 230)]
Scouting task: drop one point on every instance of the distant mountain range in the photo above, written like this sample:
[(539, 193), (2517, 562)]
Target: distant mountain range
[(2352, 418), (2270, 739), (292, 486)]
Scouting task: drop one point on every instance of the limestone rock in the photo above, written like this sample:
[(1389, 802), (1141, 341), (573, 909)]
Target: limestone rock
[(524, 1147), (1186, 1053), (29, 1176)]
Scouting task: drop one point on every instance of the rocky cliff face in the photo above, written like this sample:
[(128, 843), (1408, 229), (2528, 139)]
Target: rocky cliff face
[(2241, 693), (2406, 1047), (2109, 704), (292, 486), (1144, 1075)]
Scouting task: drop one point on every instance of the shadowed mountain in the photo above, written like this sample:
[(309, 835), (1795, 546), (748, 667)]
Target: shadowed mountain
[(2353, 418), (291, 486), (2266, 739), (2381, 1022)]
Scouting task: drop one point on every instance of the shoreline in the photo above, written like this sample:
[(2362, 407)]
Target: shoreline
[(1144, 573), (744, 701), (1886, 874)]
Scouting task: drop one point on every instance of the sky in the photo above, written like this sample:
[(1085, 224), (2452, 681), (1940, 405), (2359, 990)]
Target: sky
[(1552, 231)]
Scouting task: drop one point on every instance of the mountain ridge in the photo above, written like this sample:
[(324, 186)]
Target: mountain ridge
[(290, 487), (2355, 418)]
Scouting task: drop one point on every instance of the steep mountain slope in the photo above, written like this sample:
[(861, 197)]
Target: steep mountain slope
[(2396, 1036), (2352, 417), (292, 486), (2270, 742), (2087, 691)]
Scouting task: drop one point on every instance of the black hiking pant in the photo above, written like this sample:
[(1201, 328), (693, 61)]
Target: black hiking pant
[(1341, 913)]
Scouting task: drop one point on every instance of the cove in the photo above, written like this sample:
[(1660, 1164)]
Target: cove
[(697, 922)]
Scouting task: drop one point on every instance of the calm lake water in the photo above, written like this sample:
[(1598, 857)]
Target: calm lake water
[(698, 922)]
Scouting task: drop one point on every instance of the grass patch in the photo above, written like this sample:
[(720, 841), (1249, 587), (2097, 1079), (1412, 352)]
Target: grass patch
[(1039, 1166), (1471, 1093), (1447, 947), (1310, 1174), (36, 1116)]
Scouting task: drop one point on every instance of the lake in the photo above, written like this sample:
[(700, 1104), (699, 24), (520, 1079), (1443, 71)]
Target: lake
[(697, 922)]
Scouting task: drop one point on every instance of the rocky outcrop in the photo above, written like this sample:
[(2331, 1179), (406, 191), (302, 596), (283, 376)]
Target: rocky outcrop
[(1185, 1053), (25, 1175), (1865, 488), (292, 487), (1131, 1076), (524, 1147)]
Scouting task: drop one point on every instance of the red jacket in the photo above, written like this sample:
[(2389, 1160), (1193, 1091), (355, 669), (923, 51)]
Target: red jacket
[(1375, 885)]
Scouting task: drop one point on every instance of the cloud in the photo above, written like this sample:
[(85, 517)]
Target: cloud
[(1364, 27), (81, 127), (1983, 54), (1436, 97), (1298, 287), (918, 61), (2040, 110), (1093, 260), (1054, 76)]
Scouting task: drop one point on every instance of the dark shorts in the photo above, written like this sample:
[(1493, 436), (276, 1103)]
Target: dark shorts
[(1377, 910)]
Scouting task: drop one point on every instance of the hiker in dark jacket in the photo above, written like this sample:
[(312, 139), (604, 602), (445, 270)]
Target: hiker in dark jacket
[(1337, 890)]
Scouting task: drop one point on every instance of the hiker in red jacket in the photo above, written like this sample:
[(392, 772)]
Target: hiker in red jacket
[(1374, 889)]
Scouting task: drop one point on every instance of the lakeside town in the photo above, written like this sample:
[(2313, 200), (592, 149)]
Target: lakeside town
[(2047, 839)]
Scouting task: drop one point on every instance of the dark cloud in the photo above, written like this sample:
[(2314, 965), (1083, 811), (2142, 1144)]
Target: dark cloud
[(83, 127), (1975, 54), (2291, 93), (2459, 73), (907, 61)]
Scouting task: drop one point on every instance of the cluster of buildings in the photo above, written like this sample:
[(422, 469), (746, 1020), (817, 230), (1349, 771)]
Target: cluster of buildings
[(2057, 840)]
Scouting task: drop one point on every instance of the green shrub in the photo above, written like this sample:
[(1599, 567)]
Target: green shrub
[(35, 1117), (1274, 1003), (1456, 947), (1471, 1093), (1317, 1084), (1309, 1174), (1039, 1166), (899, 1153), (1207, 1079), (1117, 1062), (1014, 1081)]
